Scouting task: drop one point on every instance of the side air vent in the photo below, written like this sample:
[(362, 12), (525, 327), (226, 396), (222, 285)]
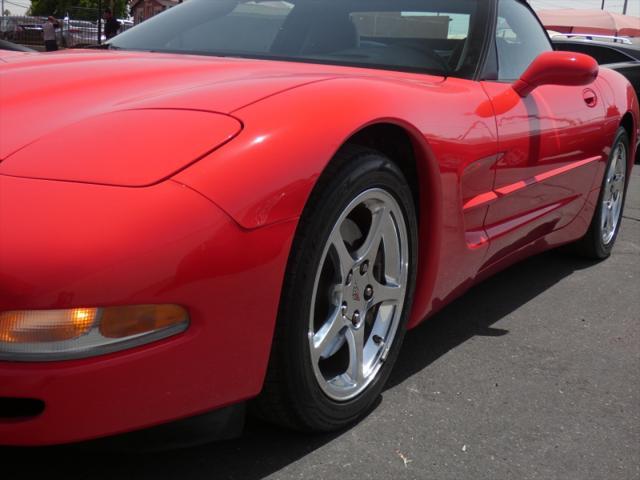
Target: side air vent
[(20, 408)]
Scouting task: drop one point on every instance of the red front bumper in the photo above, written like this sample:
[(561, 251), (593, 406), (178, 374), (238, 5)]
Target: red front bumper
[(73, 245)]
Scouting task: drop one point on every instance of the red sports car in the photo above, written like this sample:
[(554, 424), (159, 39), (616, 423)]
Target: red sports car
[(247, 202)]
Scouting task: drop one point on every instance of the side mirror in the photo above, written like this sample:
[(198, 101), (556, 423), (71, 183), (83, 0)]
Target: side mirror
[(557, 68)]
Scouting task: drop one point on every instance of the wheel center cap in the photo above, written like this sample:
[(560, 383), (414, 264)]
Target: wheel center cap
[(354, 305), (355, 293)]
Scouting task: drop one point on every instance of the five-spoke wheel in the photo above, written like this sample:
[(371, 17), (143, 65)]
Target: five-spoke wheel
[(603, 231), (613, 193), (358, 294)]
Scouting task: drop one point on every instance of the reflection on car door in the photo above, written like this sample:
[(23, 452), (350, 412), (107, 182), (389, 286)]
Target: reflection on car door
[(550, 142)]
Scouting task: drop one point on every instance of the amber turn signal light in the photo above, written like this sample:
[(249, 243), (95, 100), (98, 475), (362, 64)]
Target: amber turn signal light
[(41, 335), (37, 326), (120, 322)]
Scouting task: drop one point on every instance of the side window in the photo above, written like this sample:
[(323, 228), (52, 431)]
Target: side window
[(519, 39)]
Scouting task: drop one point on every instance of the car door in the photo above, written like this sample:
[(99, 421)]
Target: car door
[(550, 141)]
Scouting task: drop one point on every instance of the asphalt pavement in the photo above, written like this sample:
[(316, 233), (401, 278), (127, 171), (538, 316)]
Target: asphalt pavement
[(534, 374)]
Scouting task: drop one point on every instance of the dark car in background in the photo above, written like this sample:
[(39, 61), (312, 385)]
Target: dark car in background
[(25, 30), (30, 33), (8, 28)]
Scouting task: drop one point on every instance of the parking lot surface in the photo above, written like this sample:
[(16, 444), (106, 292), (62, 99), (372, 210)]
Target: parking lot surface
[(533, 374)]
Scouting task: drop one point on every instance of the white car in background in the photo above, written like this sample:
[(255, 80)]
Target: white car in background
[(76, 33)]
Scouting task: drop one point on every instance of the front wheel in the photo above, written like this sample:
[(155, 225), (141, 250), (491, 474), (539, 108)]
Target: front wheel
[(346, 297)]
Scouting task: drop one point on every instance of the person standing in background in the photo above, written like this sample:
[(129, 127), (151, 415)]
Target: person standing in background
[(111, 25), (49, 34)]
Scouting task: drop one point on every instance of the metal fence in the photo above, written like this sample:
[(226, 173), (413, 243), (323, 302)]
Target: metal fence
[(70, 33)]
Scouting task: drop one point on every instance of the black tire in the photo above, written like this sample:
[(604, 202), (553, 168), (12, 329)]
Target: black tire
[(592, 245), (292, 396)]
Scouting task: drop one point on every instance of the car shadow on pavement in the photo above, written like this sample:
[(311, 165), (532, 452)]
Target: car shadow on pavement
[(264, 449), (483, 305)]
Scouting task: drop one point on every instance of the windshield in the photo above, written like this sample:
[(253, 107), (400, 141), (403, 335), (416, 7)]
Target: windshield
[(443, 37)]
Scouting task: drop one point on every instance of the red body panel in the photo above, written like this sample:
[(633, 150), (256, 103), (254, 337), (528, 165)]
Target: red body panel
[(100, 245), (446, 148), (550, 148), (215, 237), (120, 162), (83, 84)]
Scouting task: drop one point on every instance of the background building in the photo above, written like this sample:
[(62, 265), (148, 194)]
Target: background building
[(15, 7)]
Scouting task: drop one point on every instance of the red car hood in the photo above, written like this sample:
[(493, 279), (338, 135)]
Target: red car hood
[(95, 116), (131, 118)]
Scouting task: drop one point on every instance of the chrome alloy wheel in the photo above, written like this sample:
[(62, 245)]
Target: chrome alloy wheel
[(613, 194), (358, 294)]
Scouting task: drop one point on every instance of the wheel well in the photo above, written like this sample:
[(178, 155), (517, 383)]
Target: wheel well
[(627, 124), (394, 142), (420, 169)]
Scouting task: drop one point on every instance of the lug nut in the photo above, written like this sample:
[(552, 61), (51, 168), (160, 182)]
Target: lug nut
[(356, 318), (343, 309), (364, 268), (349, 278), (368, 292)]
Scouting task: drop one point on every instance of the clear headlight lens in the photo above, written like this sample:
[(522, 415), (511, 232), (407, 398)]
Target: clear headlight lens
[(41, 335)]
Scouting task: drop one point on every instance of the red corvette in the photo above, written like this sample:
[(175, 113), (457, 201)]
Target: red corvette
[(249, 202)]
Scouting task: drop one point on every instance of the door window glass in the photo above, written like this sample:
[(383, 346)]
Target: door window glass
[(519, 39)]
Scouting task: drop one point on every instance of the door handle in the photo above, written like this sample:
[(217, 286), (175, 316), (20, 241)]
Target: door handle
[(590, 97)]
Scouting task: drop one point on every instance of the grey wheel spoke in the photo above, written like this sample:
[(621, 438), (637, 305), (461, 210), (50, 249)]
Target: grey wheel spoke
[(345, 259), (386, 293), (612, 217), (392, 250), (371, 244), (327, 336), (355, 341)]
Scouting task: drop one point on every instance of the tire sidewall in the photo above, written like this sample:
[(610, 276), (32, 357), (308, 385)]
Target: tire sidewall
[(364, 172), (604, 250)]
